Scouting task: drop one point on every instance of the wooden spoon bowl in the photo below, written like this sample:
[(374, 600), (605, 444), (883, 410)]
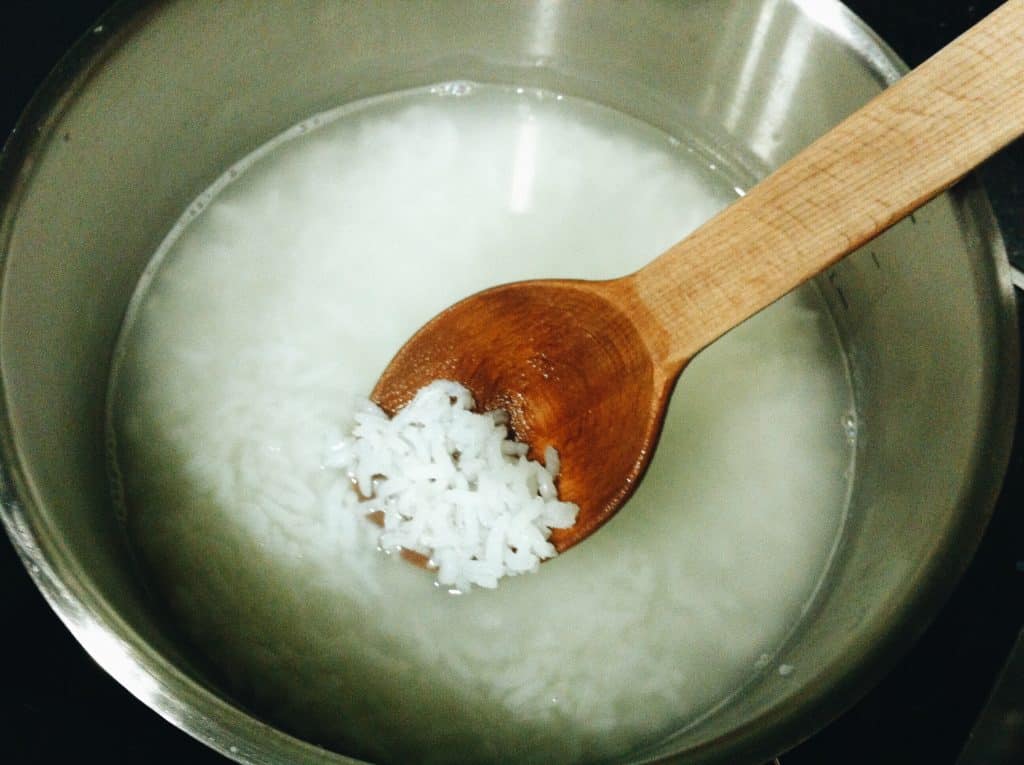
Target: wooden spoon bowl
[(565, 361)]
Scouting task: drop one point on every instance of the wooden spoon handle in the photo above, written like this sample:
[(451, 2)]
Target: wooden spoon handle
[(904, 147)]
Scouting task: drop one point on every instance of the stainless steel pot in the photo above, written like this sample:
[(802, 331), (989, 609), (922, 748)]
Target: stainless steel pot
[(163, 96)]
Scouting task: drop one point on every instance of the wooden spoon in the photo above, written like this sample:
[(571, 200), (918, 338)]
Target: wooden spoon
[(588, 367)]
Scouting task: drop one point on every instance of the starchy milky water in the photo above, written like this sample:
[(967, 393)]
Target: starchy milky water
[(276, 303)]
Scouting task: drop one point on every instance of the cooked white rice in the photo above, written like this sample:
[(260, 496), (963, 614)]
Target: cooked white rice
[(452, 486)]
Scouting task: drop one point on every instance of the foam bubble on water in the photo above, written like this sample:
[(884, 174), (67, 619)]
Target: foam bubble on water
[(850, 426), (456, 89)]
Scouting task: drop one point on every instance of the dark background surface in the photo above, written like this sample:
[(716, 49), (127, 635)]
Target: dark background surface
[(56, 705)]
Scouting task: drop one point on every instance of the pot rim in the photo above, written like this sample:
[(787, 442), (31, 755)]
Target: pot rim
[(196, 710)]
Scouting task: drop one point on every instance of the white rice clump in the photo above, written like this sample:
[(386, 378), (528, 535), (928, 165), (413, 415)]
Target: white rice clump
[(452, 486)]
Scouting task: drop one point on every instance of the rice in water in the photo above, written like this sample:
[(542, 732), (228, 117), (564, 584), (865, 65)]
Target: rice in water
[(268, 315)]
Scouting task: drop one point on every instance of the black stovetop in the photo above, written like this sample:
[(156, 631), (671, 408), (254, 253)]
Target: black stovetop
[(56, 705)]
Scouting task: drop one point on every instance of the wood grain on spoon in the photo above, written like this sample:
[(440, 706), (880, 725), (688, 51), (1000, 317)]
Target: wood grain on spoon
[(588, 367)]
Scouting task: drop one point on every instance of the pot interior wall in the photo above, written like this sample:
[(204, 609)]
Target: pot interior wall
[(157, 104)]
